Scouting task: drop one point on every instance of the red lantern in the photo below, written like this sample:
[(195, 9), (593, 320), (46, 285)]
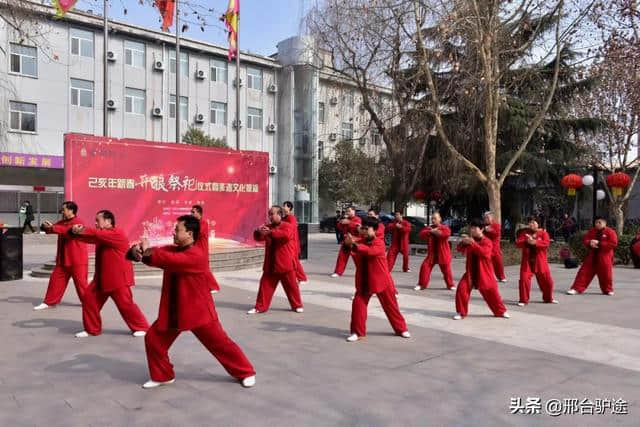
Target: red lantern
[(571, 182), (419, 195), (435, 195), (618, 181)]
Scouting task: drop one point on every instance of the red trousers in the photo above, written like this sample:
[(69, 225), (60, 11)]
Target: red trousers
[(211, 335), (60, 279), (498, 266), (212, 282), (491, 296), (545, 282), (425, 274), (94, 300), (300, 274), (268, 284), (341, 263), (588, 270), (393, 254), (389, 305)]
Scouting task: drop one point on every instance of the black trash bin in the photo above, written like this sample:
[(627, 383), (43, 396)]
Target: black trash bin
[(10, 253), (303, 232)]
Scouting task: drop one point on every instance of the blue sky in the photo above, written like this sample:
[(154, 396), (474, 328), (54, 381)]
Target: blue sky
[(263, 23)]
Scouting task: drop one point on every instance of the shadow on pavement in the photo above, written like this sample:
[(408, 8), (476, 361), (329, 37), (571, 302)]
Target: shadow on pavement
[(64, 325), (34, 301)]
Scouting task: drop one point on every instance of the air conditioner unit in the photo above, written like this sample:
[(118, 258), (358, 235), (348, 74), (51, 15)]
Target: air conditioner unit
[(200, 75), (156, 112), (271, 127), (235, 83), (333, 137), (272, 88), (273, 169), (111, 56), (199, 118), (111, 104), (333, 101), (237, 124), (158, 65)]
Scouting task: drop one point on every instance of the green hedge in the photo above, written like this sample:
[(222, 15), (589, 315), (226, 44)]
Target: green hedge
[(622, 252)]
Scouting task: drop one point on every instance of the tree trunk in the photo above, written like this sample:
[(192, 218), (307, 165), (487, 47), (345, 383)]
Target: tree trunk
[(493, 192), (618, 213)]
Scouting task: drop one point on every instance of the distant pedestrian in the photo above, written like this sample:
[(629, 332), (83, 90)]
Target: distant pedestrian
[(27, 210)]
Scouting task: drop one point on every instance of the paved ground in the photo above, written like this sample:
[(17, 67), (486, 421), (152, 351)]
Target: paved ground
[(449, 373)]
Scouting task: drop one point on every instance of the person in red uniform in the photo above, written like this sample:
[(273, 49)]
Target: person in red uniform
[(478, 273), (635, 250), (400, 230), (280, 254), (534, 242), (72, 258), (438, 252), (601, 241), (374, 212), (186, 305), (372, 277), (287, 208), (203, 242), (113, 277), (493, 232), (346, 225)]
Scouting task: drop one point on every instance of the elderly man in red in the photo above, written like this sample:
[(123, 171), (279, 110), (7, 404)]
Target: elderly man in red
[(534, 242), (601, 241), (186, 305), (113, 277), (287, 209), (203, 242), (400, 230), (478, 273), (438, 252), (72, 258), (346, 225), (493, 231), (279, 262), (372, 277)]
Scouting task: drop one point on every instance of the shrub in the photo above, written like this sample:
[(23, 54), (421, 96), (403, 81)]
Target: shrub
[(622, 253), (578, 250)]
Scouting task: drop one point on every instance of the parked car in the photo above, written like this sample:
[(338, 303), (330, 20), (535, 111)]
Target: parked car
[(417, 224), (328, 224)]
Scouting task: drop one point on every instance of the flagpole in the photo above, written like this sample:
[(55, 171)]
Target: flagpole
[(238, 81), (105, 71), (177, 72)]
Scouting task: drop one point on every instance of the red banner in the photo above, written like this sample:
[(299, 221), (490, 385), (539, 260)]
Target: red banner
[(147, 185)]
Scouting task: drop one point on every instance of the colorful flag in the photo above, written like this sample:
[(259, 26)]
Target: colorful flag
[(231, 22), (166, 8), (63, 6)]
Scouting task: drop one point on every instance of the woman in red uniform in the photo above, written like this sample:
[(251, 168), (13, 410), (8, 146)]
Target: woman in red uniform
[(203, 242), (287, 209), (493, 231), (346, 225), (534, 242), (438, 252), (400, 230)]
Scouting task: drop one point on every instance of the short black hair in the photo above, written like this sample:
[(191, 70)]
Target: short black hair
[(71, 206), (370, 222), (397, 212), (198, 208), (288, 204), (599, 218), (375, 210), (476, 222), (108, 215), (533, 218), (191, 224), (278, 208), (349, 207)]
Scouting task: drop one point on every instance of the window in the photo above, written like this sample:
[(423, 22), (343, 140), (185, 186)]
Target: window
[(347, 131), (24, 60), (218, 113), (348, 99), (254, 78), (22, 116), (82, 93), (184, 107), (134, 54), (184, 62), (320, 150), (134, 101), (254, 118), (320, 112), (81, 43), (218, 71)]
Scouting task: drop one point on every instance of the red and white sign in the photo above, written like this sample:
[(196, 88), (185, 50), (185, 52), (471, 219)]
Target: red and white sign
[(147, 185)]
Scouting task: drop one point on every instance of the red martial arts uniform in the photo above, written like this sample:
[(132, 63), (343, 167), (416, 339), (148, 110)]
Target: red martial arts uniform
[(599, 261), (494, 234), (478, 274), (72, 261), (113, 278), (280, 254), (399, 243), (438, 252), (300, 274), (635, 248), (203, 243), (372, 277), (534, 262), (186, 305), (343, 256)]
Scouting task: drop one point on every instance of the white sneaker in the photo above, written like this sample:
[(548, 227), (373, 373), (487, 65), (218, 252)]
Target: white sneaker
[(299, 310), (503, 281), (83, 334), (457, 317), (405, 334), (572, 292), (249, 381), (453, 289), (334, 275), (408, 271), (303, 282), (506, 315), (352, 338), (154, 384), (42, 306), (417, 288), (214, 291), (554, 301), (520, 304), (611, 293), (139, 333), (253, 311)]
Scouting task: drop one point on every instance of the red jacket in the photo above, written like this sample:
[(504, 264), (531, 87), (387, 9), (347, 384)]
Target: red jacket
[(185, 301), (493, 234), (399, 236), (352, 227), (437, 245), (70, 251), (479, 268), (113, 270), (372, 273), (203, 238), (534, 258), (291, 219), (608, 242), (280, 252), (636, 246)]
